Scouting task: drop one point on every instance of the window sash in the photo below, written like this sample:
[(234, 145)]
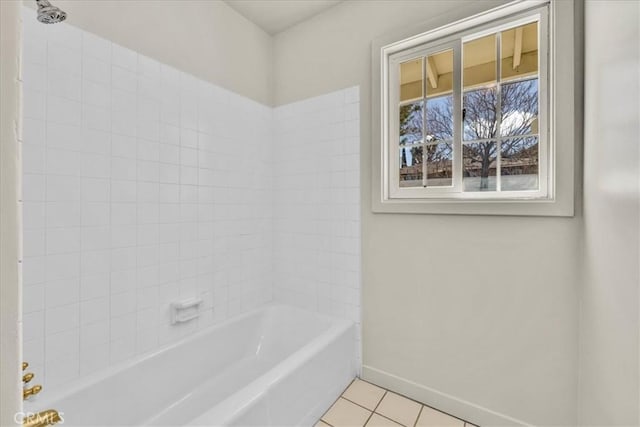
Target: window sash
[(391, 65), (394, 146)]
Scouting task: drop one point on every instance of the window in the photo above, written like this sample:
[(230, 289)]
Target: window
[(466, 114)]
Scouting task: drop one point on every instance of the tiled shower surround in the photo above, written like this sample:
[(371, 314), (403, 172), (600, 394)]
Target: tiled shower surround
[(143, 185), (316, 212)]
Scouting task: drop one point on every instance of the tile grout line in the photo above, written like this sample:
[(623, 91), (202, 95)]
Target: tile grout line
[(109, 319), (83, 114), (418, 417), (395, 421), (374, 409), (368, 418), (384, 416), (356, 403), (387, 418), (448, 414), (334, 402), (45, 145), (422, 405), (430, 407)]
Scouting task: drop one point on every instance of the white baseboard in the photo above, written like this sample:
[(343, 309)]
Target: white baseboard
[(460, 408)]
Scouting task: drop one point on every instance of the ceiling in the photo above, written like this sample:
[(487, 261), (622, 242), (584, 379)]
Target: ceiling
[(275, 16)]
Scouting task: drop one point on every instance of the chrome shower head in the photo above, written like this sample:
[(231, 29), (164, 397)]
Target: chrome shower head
[(48, 14)]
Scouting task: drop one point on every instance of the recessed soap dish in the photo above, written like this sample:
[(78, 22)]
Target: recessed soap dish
[(185, 310)]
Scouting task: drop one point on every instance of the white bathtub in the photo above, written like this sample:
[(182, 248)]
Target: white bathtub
[(277, 366)]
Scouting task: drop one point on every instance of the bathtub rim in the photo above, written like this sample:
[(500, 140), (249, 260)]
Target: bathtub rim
[(76, 386)]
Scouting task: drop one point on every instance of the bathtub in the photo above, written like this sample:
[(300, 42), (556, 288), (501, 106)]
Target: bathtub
[(277, 366)]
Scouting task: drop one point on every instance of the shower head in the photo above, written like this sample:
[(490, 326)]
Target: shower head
[(48, 14)]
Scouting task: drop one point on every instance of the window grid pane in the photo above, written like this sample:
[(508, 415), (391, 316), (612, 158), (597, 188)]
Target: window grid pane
[(411, 80), (519, 164), (439, 159), (498, 110), (411, 166)]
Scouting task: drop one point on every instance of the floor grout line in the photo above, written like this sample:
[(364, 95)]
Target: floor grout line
[(446, 413), (368, 418), (430, 407), (334, 402), (390, 419), (415, 423), (356, 403), (397, 422), (380, 401), (374, 411)]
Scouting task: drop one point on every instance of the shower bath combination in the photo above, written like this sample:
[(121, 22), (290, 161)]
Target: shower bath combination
[(242, 355), (49, 14)]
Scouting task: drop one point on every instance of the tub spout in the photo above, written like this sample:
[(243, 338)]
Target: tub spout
[(42, 419)]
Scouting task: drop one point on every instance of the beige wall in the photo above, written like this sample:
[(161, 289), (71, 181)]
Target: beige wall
[(205, 38), (474, 314), (609, 354), (10, 222)]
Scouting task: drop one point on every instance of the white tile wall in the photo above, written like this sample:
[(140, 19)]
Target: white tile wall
[(317, 204), (142, 185)]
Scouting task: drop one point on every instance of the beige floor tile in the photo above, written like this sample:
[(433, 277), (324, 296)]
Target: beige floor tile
[(364, 394), (432, 418), (399, 409), (321, 424), (380, 421), (346, 414)]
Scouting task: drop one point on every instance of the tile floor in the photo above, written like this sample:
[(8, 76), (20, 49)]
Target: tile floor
[(365, 404)]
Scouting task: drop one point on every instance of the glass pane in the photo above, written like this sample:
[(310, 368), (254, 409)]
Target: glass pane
[(519, 164), (519, 52), (479, 114), (440, 118), (439, 73), (519, 108), (479, 166), (411, 80), (411, 167), (479, 62), (411, 123), (439, 165)]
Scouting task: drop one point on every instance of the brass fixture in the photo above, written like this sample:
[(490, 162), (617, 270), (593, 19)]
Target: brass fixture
[(42, 419), (28, 392)]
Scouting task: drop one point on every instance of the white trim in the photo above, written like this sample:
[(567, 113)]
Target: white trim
[(513, 22), (464, 25), (561, 68), (11, 218), (445, 402), (498, 36)]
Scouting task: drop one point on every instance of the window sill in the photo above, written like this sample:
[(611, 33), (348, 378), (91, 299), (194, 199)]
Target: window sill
[(513, 207)]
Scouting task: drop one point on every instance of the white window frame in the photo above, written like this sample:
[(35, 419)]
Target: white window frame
[(557, 95)]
